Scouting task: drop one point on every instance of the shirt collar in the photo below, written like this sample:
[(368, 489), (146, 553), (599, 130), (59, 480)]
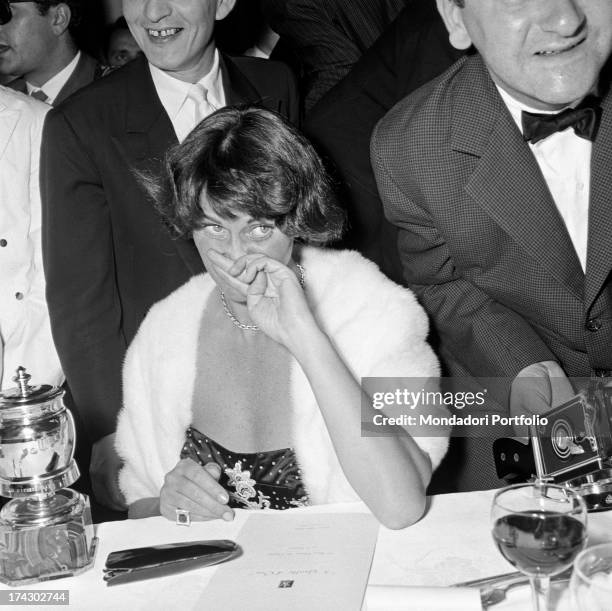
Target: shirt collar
[(516, 108), (172, 92), (54, 85)]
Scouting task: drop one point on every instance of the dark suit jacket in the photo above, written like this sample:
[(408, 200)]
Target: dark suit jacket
[(85, 72), (328, 36), (480, 238), (108, 257), (411, 52)]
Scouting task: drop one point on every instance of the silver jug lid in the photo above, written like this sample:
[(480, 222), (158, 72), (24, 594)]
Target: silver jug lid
[(25, 394)]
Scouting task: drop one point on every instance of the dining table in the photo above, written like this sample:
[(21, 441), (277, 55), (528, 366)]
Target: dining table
[(450, 544)]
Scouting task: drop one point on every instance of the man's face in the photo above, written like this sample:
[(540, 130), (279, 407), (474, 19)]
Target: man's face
[(545, 53), (26, 42), (176, 35), (122, 48)]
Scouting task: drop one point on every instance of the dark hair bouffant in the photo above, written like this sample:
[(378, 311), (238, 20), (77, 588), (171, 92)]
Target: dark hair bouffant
[(250, 161)]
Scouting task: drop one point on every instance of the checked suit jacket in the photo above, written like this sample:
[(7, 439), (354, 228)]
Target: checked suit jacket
[(480, 238), (482, 244), (108, 256)]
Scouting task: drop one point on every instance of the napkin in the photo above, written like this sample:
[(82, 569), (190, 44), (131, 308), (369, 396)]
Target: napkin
[(421, 598)]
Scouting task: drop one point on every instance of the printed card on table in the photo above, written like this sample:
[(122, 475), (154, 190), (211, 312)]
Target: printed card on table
[(298, 562)]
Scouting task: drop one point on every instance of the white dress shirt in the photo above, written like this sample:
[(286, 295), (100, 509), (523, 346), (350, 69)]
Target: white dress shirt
[(24, 320), (565, 161), (54, 85), (175, 97)]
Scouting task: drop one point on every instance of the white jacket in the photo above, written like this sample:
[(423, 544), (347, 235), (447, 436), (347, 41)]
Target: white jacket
[(378, 328), (24, 319)]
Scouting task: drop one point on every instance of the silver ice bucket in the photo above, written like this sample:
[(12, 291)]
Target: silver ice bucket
[(46, 531)]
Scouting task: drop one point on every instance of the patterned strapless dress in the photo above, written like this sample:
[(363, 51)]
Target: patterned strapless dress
[(261, 480)]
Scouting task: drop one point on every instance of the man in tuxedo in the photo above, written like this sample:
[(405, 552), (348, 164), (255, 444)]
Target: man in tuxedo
[(37, 43), (502, 203), (108, 257)]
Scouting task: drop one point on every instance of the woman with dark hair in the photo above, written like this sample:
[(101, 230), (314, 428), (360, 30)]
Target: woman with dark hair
[(241, 389)]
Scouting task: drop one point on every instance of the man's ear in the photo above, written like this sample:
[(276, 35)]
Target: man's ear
[(60, 18), (452, 15), (224, 8)]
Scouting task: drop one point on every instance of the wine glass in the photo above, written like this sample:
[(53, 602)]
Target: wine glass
[(539, 528), (591, 583)]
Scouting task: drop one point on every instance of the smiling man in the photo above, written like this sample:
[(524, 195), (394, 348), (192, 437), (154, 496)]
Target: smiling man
[(502, 203), (108, 257)]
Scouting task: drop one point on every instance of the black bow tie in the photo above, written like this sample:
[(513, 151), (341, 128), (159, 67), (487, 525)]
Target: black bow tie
[(584, 119)]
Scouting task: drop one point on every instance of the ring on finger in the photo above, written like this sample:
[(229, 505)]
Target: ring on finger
[(183, 517)]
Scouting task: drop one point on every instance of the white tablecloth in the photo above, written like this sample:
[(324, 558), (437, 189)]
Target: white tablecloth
[(452, 543)]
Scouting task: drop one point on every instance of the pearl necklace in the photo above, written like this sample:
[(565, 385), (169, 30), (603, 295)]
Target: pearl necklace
[(242, 325)]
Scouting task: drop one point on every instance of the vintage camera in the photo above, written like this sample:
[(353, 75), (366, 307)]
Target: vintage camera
[(577, 437), (572, 447)]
